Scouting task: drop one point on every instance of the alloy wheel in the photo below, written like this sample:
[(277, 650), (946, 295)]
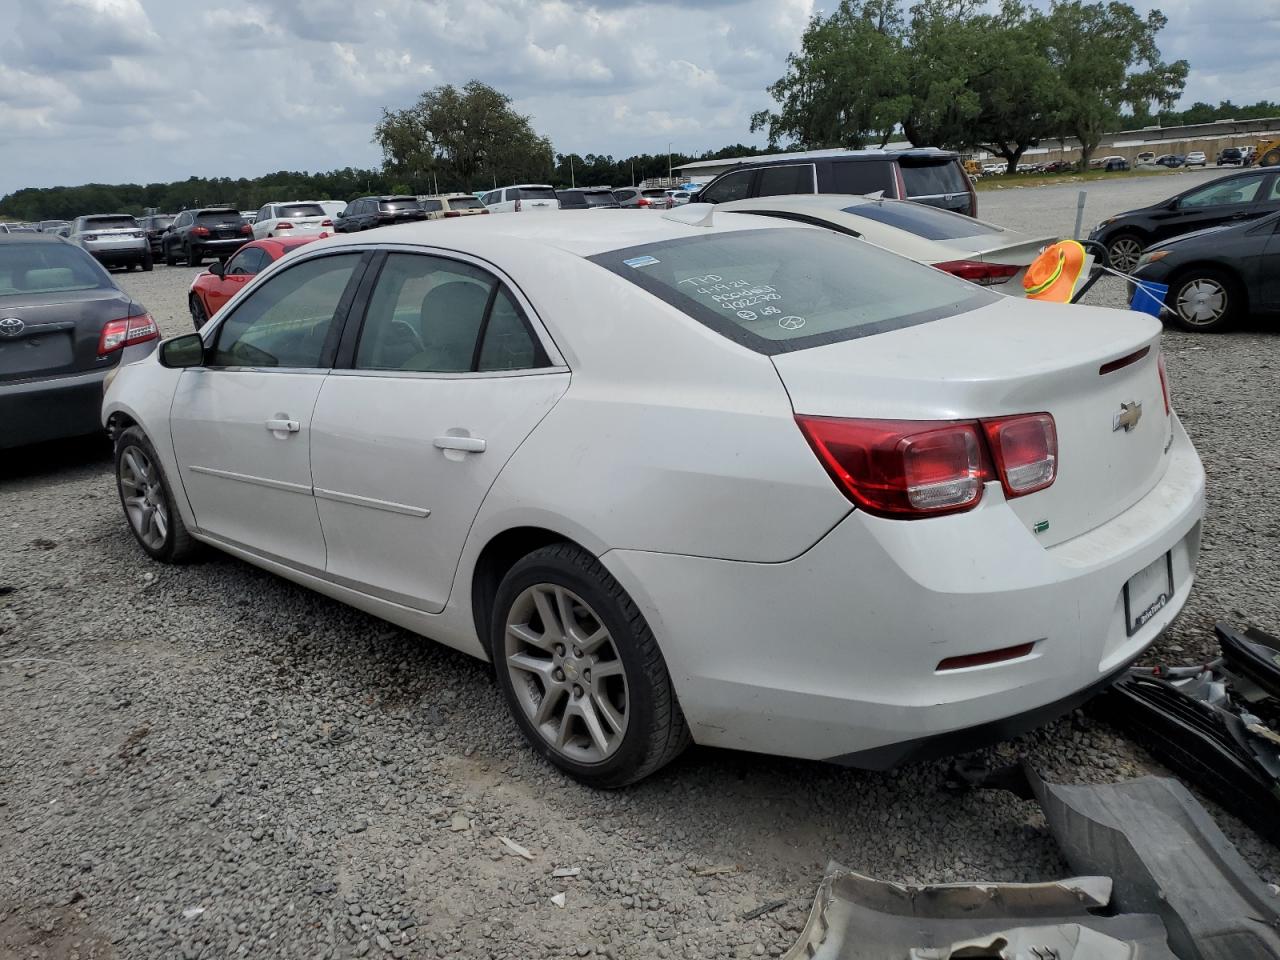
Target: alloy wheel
[(566, 673), (1124, 253), (1202, 302), (143, 495)]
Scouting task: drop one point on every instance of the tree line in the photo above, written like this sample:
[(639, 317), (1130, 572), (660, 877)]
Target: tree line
[(948, 73)]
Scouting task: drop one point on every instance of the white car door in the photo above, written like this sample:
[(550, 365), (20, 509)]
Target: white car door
[(241, 424), (266, 218), (446, 379)]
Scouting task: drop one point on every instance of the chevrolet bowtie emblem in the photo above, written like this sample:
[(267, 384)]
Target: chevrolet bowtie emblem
[(1128, 417)]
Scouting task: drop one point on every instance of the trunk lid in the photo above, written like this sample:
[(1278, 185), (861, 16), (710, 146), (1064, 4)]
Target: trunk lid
[(1013, 357), (60, 333)]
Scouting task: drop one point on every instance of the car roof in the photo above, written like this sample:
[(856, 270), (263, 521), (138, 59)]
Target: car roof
[(608, 230), (521, 186)]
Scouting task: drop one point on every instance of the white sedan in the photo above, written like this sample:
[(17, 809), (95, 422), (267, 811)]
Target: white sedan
[(693, 476), (973, 250), (292, 220)]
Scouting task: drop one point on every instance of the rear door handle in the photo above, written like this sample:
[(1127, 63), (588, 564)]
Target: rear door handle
[(468, 444), (286, 426)]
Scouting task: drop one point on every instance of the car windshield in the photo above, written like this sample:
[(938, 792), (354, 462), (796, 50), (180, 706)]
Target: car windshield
[(537, 193), (775, 290), (300, 210), (932, 179), (399, 203), (27, 268), (465, 203), (924, 221), (219, 217), (110, 223)]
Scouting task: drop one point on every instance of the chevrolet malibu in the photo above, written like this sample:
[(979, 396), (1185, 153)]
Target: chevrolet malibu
[(728, 479)]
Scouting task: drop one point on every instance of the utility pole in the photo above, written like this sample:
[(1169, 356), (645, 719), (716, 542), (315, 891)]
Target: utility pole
[(571, 181), (668, 160), (633, 171)]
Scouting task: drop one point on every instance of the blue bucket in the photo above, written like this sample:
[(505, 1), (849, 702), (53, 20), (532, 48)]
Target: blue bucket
[(1148, 297)]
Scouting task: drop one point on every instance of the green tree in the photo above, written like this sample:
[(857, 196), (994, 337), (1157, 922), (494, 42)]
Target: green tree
[(847, 84), (943, 48), (459, 138), (1106, 58)]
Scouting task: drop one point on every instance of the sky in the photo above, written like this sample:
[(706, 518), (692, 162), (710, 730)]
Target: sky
[(143, 91)]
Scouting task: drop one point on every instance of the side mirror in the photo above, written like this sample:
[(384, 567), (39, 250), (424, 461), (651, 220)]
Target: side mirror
[(184, 351), (217, 268)]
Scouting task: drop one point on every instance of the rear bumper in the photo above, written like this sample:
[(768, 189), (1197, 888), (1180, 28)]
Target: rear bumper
[(132, 252), (233, 243), (834, 655)]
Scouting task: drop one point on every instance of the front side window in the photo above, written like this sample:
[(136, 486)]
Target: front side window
[(1232, 191), (286, 321), (787, 179), (427, 315), (432, 206), (732, 186), (783, 289), (247, 262)]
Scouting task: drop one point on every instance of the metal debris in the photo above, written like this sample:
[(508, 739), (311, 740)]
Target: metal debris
[(515, 848)]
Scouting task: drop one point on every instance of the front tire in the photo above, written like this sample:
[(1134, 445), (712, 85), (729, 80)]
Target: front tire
[(581, 671), (148, 264), (1205, 300), (199, 316), (1123, 251), (148, 500)]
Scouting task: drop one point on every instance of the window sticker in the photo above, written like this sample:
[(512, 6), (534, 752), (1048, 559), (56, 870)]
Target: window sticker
[(641, 261)]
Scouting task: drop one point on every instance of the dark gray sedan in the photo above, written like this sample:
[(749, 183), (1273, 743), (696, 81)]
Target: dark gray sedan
[(64, 325), (1218, 275)]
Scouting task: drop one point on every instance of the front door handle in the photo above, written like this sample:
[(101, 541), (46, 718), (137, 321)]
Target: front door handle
[(467, 444), (282, 425)]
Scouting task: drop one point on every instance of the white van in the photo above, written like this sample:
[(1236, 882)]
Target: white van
[(522, 196)]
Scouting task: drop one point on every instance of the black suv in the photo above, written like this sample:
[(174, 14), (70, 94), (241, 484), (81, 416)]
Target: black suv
[(211, 232), (1241, 196), (369, 212), (926, 175), (583, 198), (1230, 156), (154, 227)]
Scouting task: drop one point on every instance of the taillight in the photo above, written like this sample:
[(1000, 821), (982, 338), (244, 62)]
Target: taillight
[(902, 468), (453, 213), (642, 201), (326, 223), (284, 225), (975, 271), (1164, 385), (485, 210), (245, 228), (1025, 450), (200, 231), (118, 334), (924, 468)]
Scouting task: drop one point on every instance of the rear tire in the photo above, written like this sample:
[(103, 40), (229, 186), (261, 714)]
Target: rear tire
[(170, 258), (544, 670), (1205, 300), (148, 264), (148, 500), (193, 256)]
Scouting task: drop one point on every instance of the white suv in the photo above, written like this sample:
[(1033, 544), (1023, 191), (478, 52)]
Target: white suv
[(522, 196), (291, 220)]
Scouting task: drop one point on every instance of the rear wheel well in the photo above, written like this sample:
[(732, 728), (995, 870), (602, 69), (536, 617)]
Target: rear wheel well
[(500, 555)]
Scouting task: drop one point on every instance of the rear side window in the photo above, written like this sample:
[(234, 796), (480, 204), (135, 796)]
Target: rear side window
[(862, 177), (775, 290), (932, 179), (288, 210), (536, 193), (931, 223), (110, 223), (432, 206), (792, 178), (27, 268)]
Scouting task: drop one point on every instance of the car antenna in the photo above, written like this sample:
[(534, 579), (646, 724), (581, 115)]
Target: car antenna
[(878, 195), (693, 214)]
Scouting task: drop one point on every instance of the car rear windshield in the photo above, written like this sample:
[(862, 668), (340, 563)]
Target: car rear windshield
[(465, 203), (110, 223), (922, 220), (432, 206), (651, 194), (537, 193), (209, 217), (776, 290), (930, 179), (571, 199), (300, 210), (399, 203), (29, 268), (601, 198)]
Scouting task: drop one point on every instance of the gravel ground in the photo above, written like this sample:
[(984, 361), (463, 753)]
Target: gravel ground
[(209, 761)]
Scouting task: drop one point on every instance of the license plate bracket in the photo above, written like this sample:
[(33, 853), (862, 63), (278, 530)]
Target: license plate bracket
[(1147, 592)]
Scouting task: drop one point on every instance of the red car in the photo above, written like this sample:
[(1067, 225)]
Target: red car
[(222, 281)]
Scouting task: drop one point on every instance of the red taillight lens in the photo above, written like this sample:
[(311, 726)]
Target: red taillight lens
[(642, 201), (118, 334), (902, 468), (1025, 449), (453, 213), (245, 228), (280, 225), (1164, 385), (975, 271), (200, 231), (326, 223)]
